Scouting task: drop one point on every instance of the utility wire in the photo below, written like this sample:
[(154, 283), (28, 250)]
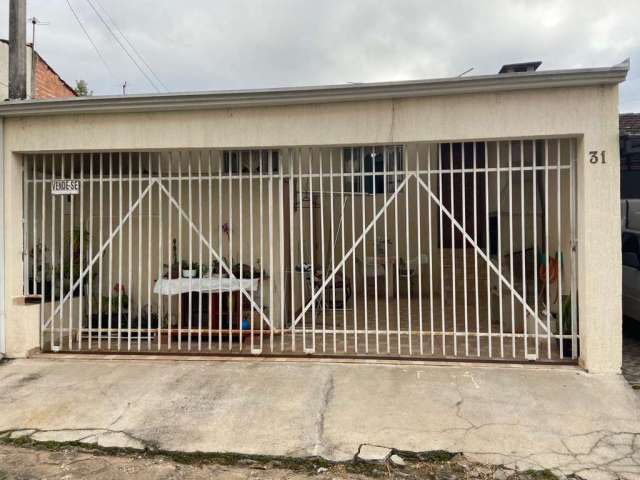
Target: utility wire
[(149, 79), (131, 44), (90, 39)]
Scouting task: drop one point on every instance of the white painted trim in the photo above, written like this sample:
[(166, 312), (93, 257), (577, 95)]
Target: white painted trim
[(319, 94)]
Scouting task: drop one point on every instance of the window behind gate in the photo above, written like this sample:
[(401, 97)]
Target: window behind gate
[(373, 164)]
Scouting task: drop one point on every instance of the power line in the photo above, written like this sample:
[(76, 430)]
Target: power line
[(131, 45), (90, 39), (151, 82)]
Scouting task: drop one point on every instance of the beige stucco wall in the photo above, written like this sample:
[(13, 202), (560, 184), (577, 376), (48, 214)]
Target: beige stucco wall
[(588, 113)]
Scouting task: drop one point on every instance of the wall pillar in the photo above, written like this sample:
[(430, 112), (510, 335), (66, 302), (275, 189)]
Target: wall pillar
[(599, 247), (18, 320)]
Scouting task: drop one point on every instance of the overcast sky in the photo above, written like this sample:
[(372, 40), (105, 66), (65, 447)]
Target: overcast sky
[(231, 44)]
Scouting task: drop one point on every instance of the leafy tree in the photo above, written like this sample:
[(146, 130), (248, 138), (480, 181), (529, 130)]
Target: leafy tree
[(82, 89)]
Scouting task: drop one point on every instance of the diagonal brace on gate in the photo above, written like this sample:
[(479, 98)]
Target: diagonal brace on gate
[(479, 251), (386, 205), (221, 262), (117, 230), (98, 255), (351, 250)]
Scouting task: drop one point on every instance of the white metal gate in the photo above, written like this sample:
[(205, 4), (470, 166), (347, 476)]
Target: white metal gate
[(422, 250)]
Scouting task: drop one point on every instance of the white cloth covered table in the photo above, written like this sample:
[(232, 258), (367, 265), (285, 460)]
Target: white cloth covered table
[(174, 286)]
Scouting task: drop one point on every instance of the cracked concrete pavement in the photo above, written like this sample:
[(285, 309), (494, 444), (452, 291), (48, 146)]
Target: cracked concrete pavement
[(522, 416)]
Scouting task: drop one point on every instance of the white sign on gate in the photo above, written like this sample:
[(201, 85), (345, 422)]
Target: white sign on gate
[(65, 187)]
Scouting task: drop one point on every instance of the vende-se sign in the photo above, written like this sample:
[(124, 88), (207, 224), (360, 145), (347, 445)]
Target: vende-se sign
[(65, 187)]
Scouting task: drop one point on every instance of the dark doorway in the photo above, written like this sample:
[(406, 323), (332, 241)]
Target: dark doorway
[(452, 156)]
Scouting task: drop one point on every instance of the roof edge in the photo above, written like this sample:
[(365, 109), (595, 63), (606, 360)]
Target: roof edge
[(318, 94)]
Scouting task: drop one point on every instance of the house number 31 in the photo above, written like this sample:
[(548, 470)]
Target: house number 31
[(597, 157)]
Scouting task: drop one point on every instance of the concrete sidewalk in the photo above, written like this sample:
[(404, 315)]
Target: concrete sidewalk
[(526, 417)]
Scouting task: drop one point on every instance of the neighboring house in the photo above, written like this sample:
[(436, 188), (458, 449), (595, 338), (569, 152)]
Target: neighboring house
[(630, 155), (471, 218), (42, 81)]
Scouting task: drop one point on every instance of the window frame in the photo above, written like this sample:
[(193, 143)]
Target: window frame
[(382, 158)]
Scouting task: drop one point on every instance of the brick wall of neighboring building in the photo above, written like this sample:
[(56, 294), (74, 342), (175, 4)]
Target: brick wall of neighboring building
[(48, 83)]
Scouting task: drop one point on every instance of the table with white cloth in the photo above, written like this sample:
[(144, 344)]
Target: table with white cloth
[(174, 286), (200, 297)]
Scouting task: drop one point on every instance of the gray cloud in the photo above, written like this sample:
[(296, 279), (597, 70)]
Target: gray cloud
[(227, 44)]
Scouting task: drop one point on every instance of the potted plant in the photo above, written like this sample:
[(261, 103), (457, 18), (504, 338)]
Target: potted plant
[(149, 318), (173, 270), (43, 269), (567, 334), (119, 304), (190, 270)]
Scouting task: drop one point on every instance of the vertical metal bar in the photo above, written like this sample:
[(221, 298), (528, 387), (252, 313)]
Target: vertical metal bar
[(291, 250), (441, 195), (139, 335), (230, 238), (487, 185), (302, 262), (220, 223), (333, 264), (110, 270), (323, 297), (560, 257), (534, 171), (271, 249), (81, 263), (375, 249), (453, 252), (574, 245), (119, 250), (418, 223), (431, 323), (344, 266), (200, 275), (149, 279), (281, 244), (90, 252), (511, 277), (405, 165), (179, 246), (130, 256), (61, 238), (34, 241), (396, 221), (385, 159), (53, 250), (523, 251), (251, 207), (261, 163), (160, 249), (210, 212), (190, 267), (546, 247), (364, 250), (240, 243), (71, 250), (101, 222), (170, 259), (464, 249), (499, 212), (477, 239), (43, 215), (353, 258), (25, 224)]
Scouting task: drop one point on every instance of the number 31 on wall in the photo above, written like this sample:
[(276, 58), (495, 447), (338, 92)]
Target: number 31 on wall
[(597, 157)]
